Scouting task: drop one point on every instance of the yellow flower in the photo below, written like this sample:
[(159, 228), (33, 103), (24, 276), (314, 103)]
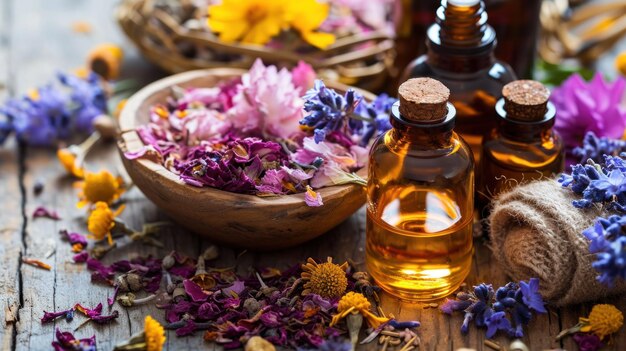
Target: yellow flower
[(620, 63), (102, 186), (354, 302), (101, 220), (603, 320), (154, 334), (251, 21), (70, 161), (327, 279), (72, 157), (307, 16), (106, 59)]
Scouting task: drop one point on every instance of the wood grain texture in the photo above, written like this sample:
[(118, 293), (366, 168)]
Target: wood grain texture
[(11, 220), (41, 43)]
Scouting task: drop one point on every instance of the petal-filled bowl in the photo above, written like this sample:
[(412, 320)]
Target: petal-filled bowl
[(240, 220)]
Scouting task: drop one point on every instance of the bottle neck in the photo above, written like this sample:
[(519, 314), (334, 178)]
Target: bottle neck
[(423, 136), (523, 131), (460, 40)]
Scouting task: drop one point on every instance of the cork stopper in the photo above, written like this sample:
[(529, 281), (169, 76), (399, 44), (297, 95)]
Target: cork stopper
[(526, 100), (423, 100)]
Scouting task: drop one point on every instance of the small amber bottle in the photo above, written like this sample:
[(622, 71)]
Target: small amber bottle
[(420, 197), (523, 147), (461, 55)]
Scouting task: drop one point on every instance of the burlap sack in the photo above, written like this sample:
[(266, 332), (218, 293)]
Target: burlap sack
[(536, 232)]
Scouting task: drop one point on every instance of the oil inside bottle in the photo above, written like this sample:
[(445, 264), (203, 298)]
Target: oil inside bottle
[(419, 246)]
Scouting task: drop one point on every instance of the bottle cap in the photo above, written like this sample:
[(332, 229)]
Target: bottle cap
[(423, 100), (526, 100)]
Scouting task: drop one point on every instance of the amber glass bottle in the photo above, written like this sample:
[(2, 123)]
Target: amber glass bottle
[(523, 147), (461, 55), (420, 197)]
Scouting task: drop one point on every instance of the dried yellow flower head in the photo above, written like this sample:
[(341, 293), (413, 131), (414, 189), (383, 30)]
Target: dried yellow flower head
[(102, 186), (325, 279), (353, 303), (101, 220), (603, 320), (154, 334)]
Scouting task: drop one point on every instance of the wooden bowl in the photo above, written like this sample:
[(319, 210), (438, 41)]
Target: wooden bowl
[(240, 220)]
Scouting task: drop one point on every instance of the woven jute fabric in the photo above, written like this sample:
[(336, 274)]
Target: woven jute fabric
[(536, 232)]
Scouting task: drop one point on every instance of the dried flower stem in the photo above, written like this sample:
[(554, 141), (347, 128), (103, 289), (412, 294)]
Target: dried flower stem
[(36, 263), (492, 345)]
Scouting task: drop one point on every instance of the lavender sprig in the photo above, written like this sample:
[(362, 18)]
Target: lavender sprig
[(608, 242), (595, 148), (494, 310), (328, 112)]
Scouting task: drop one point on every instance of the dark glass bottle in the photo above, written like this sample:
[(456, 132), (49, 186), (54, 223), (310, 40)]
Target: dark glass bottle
[(420, 198), (461, 55), (523, 147), (516, 23)]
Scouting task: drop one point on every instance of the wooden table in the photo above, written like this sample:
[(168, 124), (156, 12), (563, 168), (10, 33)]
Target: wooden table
[(36, 40)]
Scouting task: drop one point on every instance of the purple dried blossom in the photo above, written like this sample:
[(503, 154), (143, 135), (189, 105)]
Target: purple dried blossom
[(195, 291), (588, 342), (81, 257), (50, 316), (101, 273), (42, 211), (74, 238), (65, 341)]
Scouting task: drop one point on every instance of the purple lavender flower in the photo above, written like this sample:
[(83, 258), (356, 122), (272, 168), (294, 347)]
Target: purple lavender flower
[(378, 113), (593, 106), (328, 111), (87, 97), (49, 114), (611, 263), (595, 148), (496, 321), (531, 296), (65, 341)]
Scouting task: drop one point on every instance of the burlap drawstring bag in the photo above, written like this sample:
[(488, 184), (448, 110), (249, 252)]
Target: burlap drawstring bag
[(536, 232)]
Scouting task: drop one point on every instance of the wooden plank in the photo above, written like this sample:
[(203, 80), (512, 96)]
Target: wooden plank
[(11, 220)]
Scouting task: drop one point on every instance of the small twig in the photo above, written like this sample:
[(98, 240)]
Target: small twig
[(492, 345)]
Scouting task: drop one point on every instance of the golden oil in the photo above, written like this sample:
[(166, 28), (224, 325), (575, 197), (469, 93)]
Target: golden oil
[(420, 200), (523, 147)]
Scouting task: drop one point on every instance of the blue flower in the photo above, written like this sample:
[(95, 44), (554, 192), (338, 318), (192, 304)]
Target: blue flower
[(450, 306), (531, 296), (497, 321), (612, 262)]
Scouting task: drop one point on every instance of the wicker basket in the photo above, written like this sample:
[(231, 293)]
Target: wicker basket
[(364, 60)]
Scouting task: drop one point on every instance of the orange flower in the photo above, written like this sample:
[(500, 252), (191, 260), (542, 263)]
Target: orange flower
[(101, 221)]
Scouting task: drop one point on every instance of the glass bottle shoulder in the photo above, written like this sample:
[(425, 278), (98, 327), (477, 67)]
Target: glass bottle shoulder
[(536, 154), (414, 160)]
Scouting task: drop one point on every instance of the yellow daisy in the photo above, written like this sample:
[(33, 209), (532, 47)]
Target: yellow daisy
[(307, 16), (250, 21), (102, 186)]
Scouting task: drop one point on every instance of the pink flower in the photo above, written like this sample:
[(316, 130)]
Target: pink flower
[(311, 198), (204, 124), (589, 106), (268, 102), (303, 77), (339, 163), (206, 96)]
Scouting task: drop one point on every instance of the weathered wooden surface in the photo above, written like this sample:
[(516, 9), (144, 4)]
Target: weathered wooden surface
[(36, 40)]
